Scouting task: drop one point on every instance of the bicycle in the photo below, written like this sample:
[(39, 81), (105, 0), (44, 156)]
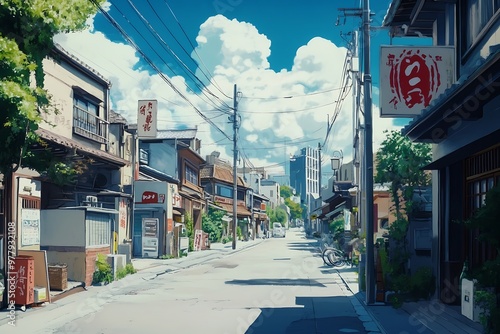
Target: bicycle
[(334, 257)]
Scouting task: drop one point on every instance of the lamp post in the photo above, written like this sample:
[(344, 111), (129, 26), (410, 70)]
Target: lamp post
[(336, 161)]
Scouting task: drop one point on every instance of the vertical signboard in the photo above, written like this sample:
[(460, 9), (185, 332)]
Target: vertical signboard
[(147, 118), (411, 77)]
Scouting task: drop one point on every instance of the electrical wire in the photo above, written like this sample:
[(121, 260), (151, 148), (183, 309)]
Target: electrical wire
[(151, 63), (207, 76), (293, 96), (167, 48)]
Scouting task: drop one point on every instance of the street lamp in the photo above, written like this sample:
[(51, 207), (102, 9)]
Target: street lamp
[(336, 160)]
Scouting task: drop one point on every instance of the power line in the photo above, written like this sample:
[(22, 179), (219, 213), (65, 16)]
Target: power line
[(292, 96), (167, 48), (150, 62), (287, 111), (211, 79)]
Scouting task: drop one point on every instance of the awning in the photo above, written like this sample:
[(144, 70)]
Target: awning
[(177, 212), (336, 212), (82, 149)]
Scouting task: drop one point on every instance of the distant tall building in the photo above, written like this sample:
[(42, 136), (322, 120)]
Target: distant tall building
[(304, 175)]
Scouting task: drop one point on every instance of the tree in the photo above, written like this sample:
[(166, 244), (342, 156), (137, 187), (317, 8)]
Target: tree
[(277, 215), (295, 208), (285, 191), (27, 28), (213, 224), (400, 163)]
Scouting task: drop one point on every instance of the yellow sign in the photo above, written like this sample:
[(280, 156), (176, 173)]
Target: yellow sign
[(314, 216)]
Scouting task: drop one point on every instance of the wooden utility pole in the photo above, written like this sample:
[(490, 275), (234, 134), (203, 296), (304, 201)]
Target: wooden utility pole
[(367, 85)]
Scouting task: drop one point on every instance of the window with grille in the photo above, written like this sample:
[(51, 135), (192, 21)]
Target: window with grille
[(191, 175), (30, 203), (482, 173), (98, 229), (86, 119)]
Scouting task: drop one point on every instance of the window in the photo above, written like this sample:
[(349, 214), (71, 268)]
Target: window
[(191, 175), (483, 173), (98, 229), (86, 121), (224, 191), (477, 15)]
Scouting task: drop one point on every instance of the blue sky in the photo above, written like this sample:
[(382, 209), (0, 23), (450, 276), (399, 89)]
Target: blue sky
[(285, 56)]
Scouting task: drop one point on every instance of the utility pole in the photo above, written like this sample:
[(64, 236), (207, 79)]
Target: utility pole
[(235, 169), (367, 156), (367, 85), (319, 170)]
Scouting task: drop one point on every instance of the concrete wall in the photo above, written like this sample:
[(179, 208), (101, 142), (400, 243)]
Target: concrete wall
[(60, 78)]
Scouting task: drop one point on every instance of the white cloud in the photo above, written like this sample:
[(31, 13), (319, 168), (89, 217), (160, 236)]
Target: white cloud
[(281, 111)]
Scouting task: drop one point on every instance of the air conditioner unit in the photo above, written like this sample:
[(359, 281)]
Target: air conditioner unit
[(91, 199)]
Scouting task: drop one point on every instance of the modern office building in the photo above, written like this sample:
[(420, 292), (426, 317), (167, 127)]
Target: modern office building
[(304, 177)]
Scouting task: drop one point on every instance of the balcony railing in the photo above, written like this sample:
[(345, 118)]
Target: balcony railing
[(89, 125)]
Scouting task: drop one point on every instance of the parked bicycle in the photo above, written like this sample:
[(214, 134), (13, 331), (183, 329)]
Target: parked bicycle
[(334, 257)]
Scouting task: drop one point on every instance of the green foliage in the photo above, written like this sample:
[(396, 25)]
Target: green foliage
[(285, 191), (400, 163), (487, 217), (226, 239), (102, 273), (490, 313), (190, 230), (212, 224), (295, 208), (485, 221), (277, 215), (27, 29), (166, 256), (239, 234), (127, 270)]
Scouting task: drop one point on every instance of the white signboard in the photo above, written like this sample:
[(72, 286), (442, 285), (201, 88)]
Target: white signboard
[(412, 76), (147, 118), (30, 229)]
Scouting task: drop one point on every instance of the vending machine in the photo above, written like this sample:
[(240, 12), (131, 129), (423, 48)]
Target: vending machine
[(150, 229)]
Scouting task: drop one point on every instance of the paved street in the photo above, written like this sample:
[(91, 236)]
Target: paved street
[(277, 286)]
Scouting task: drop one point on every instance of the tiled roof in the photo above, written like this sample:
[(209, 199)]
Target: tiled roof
[(70, 143), (59, 49), (240, 210), (221, 173), (448, 93), (115, 117)]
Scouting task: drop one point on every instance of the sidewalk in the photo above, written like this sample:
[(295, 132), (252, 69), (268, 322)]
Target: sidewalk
[(147, 268), (424, 317)]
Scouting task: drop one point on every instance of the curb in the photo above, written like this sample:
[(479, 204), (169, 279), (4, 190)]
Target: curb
[(364, 314)]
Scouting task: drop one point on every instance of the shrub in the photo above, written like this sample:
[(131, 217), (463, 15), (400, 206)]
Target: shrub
[(103, 273)]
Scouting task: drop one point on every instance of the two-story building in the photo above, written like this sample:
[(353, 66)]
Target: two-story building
[(169, 165), (64, 216), (217, 180), (463, 124)]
